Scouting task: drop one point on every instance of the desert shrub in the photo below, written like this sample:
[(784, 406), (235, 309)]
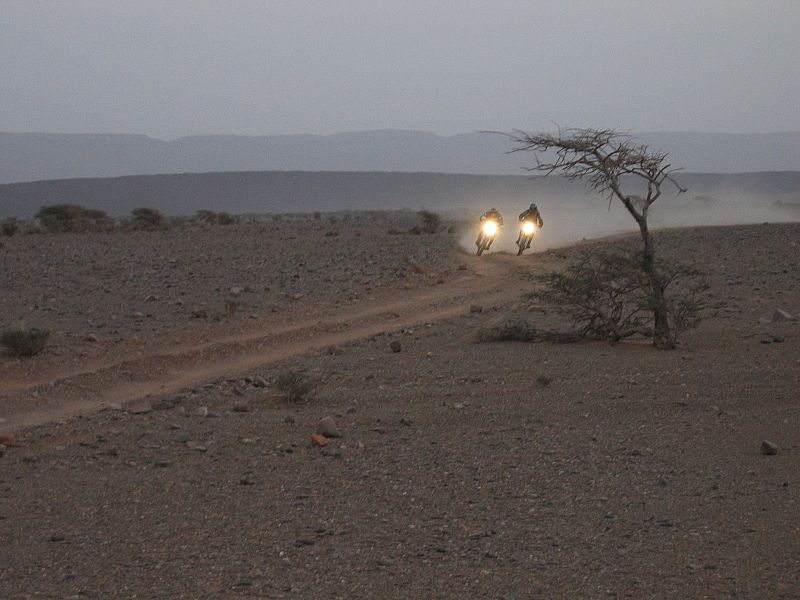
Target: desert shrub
[(215, 218), (317, 216), (293, 385), (544, 380), (431, 222), (60, 218), (25, 342), (608, 297), (9, 227), (513, 330), (147, 218)]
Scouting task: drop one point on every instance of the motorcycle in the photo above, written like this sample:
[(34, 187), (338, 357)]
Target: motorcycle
[(526, 232), (486, 235)]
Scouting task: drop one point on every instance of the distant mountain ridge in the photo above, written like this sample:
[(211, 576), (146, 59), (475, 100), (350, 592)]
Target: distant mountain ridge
[(42, 156)]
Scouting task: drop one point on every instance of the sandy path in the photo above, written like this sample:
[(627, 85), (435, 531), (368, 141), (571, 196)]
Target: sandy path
[(128, 374)]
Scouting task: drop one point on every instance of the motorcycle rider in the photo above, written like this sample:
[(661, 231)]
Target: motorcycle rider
[(531, 214), (494, 215)]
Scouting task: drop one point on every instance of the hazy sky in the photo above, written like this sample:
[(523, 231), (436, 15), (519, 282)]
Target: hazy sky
[(169, 68)]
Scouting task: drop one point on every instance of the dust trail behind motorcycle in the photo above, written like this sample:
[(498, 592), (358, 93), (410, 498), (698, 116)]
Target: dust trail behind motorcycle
[(568, 220)]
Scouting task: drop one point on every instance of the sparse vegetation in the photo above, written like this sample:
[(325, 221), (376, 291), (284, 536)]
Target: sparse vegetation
[(231, 306), (61, 218), (514, 330), (544, 380), (608, 297), (215, 218), (431, 222), (147, 218), (25, 342), (9, 227), (293, 385)]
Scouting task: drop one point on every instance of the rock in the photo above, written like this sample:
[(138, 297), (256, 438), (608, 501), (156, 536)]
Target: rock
[(200, 313), (332, 452), (319, 440), (91, 338), (183, 437), (235, 291), (781, 315), (139, 408), (240, 407), (768, 448), (202, 411), (395, 345), (475, 308), (8, 439), (151, 298), (259, 382), (327, 427), (304, 542), (162, 463), (138, 315), (247, 478), (195, 446), (289, 419)]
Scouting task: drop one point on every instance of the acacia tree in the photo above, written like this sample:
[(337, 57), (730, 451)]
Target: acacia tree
[(602, 157)]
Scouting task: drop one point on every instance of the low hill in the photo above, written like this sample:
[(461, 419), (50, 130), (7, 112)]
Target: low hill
[(293, 191)]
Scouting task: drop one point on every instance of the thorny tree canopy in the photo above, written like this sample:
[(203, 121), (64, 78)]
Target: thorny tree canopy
[(601, 157)]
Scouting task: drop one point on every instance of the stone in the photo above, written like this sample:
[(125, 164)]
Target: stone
[(395, 345), (162, 463), (91, 338), (139, 408), (327, 427), (240, 407), (195, 446), (318, 440), (8, 439), (781, 315), (183, 437), (475, 308), (138, 315), (151, 298), (247, 478), (235, 291), (768, 448), (259, 382), (200, 313), (202, 411)]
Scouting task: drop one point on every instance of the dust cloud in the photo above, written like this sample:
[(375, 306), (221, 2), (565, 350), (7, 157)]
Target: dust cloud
[(570, 219)]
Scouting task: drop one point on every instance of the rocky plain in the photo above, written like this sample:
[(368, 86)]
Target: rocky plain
[(150, 452)]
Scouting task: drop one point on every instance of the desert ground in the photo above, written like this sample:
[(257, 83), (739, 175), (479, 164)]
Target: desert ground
[(153, 456)]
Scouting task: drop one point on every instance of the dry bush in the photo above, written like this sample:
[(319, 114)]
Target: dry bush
[(431, 222), (25, 342), (61, 218), (294, 386), (147, 218), (9, 227), (608, 297)]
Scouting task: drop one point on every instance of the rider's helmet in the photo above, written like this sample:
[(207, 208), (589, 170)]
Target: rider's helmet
[(532, 206), (493, 209)]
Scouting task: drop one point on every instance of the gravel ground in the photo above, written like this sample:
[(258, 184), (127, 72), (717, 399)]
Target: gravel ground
[(464, 470)]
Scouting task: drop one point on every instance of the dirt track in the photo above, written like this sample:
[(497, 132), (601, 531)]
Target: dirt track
[(173, 362)]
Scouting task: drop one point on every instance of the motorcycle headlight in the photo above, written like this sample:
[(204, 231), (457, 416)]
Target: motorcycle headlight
[(528, 228), (490, 228)]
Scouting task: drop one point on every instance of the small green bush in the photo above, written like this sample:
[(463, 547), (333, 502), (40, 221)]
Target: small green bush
[(25, 342), (293, 385)]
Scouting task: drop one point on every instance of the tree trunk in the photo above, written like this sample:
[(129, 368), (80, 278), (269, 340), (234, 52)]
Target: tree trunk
[(662, 337)]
